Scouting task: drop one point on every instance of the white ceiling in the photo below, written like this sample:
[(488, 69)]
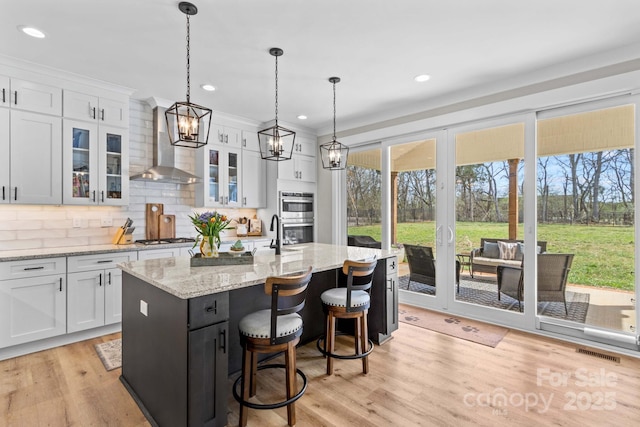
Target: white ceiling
[(377, 47)]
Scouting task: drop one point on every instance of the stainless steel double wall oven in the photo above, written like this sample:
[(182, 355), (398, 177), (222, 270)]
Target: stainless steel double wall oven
[(296, 215)]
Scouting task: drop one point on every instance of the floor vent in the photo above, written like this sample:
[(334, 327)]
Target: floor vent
[(615, 359)]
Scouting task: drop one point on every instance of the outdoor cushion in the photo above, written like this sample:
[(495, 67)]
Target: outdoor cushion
[(520, 251), (491, 250), (494, 262), (258, 324), (507, 250)]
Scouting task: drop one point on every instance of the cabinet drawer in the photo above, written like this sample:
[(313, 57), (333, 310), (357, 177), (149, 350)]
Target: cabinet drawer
[(392, 265), (32, 268), (208, 309), (98, 262)]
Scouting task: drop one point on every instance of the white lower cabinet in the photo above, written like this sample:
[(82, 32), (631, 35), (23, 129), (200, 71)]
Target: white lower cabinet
[(94, 294), (32, 300)]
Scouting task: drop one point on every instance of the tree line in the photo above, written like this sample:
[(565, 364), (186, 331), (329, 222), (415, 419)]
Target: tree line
[(590, 187)]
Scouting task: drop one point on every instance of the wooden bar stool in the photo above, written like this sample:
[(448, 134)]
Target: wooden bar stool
[(351, 302), (273, 330)]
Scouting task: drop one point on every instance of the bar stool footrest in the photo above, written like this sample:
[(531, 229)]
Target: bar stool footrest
[(343, 356), (270, 405)]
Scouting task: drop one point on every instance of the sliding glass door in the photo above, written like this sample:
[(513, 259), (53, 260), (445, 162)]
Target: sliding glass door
[(485, 217), (586, 210)]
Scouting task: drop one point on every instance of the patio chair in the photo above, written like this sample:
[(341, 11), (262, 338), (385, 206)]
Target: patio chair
[(422, 265), (553, 271), (363, 241)]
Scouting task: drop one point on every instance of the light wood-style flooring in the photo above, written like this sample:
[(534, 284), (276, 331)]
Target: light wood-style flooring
[(419, 378)]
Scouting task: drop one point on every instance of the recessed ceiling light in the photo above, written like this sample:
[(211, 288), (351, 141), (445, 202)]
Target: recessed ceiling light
[(422, 78), (302, 117), (31, 31), (208, 87)]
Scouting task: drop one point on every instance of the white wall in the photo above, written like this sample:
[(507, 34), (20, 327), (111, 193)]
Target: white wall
[(35, 226)]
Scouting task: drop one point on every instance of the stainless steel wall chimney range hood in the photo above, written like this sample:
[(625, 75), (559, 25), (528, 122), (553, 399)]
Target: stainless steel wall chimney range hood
[(163, 169)]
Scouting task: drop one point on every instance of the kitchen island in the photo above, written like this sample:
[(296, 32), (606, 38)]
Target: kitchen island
[(180, 323)]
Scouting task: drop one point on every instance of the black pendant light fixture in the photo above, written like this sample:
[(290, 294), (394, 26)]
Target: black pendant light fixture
[(188, 124), (276, 142), (334, 154)]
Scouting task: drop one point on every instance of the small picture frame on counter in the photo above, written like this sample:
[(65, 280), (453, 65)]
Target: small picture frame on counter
[(255, 227)]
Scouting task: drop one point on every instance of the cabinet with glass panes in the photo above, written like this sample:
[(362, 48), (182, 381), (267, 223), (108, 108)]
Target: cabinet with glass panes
[(95, 162)]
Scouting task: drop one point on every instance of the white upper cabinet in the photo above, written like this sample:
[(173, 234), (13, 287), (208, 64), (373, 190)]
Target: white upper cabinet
[(250, 141), (36, 159), (225, 135), (82, 106), (254, 180), (95, 164), (31, 96), (302, 166), (30, 142), (5, 159), (219, 167)]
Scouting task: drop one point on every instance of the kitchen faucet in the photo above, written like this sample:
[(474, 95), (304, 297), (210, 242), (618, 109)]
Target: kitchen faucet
[(278, 243)]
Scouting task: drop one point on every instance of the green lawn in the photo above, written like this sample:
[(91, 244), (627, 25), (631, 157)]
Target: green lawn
[(604, 256)]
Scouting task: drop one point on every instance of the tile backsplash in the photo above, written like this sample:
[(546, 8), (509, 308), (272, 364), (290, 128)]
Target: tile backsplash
[(45, 226)]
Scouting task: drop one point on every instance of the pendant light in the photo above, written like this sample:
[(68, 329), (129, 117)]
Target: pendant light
[(334, 154), (276, 142), (188, 124)]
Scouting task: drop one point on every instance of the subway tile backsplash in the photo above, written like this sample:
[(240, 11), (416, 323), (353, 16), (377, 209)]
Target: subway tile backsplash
[(40, 226)]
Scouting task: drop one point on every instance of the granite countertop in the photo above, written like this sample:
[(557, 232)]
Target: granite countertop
[(177, 277), (24, 254)]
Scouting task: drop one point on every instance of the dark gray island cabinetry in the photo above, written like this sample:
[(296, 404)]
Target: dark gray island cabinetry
[(179, 326), (174, 357)]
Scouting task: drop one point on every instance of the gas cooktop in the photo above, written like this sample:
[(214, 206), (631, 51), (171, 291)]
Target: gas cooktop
[(165, 241)]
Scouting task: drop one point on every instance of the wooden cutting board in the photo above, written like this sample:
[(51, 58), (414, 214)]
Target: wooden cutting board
[(167, 226), (152, 220)]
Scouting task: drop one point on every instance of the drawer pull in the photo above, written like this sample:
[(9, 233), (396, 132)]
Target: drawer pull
[(213, 309), (104, 261), (109, 275), (34, 268), (100, 279), (61, 284)]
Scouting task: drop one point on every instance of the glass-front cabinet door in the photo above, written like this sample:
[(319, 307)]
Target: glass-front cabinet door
[(213, 179), (95, 163), (113, 166), (221, 177), (80, 163), (232, 197)]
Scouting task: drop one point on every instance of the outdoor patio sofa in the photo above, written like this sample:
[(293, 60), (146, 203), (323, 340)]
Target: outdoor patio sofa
[(490, 255)]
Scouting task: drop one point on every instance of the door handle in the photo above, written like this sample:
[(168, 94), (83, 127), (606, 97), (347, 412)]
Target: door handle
[(439, 235), (61, 284), (450, 235), (223, 340), (3, 190), (102, 114), (4, 99), (109, 276), (93, 112), (100, 279), (94, 195), (15, 194), (15, 100), (102, 195)]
